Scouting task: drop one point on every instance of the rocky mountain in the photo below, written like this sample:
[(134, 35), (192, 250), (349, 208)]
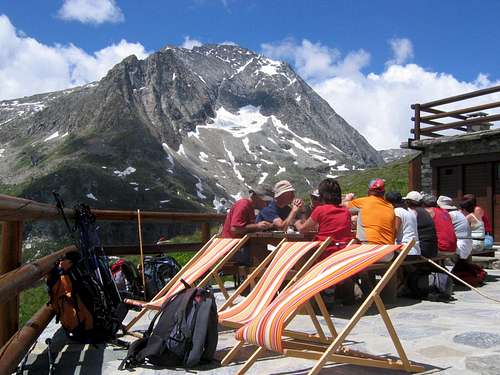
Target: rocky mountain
[(394, 154), (174, 131)]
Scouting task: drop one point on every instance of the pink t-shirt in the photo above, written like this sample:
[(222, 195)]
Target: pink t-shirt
[(333, 221), (240, 215)]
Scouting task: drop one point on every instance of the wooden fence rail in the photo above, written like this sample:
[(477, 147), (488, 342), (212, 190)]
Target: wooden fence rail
[(468, 117), (15, 278)]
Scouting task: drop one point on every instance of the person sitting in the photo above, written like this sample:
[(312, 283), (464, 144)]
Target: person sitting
[(461, 226), (406, 222), (446, 238), (376, 219), (307, 211), (330, 218), (240, 219), (283, 209), (480, 213), (467, 206), (426, 229)]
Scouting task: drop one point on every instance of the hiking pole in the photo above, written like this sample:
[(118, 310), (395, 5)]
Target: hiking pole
[(142, 253), (462, 281)]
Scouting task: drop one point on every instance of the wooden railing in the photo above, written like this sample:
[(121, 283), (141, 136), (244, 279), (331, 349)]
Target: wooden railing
[(16, 278), (466, 119)]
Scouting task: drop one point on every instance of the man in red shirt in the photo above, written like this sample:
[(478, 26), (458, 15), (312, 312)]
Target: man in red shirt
[(240, 219)]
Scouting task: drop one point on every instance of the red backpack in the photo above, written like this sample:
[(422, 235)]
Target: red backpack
[(447, 239), (470, 273)]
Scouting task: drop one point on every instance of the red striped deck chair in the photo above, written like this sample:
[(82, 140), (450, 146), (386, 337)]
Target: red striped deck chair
[(268, 330), (205, 265), (273, 272)]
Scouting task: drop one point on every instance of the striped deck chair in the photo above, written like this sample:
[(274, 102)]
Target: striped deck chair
[(205, 265), (273, 272), (268, 330)]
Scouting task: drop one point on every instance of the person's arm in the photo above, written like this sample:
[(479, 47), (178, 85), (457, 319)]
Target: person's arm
[(281, 224), (397, 225), (250, 228), (308, 225)]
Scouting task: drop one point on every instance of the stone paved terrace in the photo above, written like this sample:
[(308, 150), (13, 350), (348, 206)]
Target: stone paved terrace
[(461, 337)]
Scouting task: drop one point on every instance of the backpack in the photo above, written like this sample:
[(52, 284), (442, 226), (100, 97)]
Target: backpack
[(440, 287), (81, 287), (126, 278), (470, 273), (158, 271), (79, 302), (183, 333)]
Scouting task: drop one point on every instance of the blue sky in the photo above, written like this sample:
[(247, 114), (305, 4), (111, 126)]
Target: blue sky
[(378, 53)]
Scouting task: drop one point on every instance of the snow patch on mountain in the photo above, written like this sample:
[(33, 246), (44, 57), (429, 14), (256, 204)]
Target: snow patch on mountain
[(126, 172)]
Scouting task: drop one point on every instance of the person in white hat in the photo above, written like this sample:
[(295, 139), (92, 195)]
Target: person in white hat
[(460, 225), (282, 211)]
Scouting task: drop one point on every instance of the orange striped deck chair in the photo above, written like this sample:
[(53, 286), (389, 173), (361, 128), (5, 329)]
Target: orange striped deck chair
[(268, 330), (203, 267), (272, 271)]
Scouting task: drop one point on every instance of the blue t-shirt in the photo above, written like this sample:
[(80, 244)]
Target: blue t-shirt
[(272, 211)]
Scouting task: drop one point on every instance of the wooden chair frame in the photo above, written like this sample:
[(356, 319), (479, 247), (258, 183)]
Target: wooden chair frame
[(251, 281), (212, 274), (334, 350)]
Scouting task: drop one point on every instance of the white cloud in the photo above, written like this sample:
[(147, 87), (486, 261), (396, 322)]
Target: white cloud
[(402, 50), (190, 43), (314, 61), (91, 11), (229, 43), (377, 104), (28, 66)]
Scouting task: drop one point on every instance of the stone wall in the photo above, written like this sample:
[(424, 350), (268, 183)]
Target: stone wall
[(461, 146)]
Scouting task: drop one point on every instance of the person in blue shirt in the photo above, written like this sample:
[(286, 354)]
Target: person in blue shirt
[(282, 211)]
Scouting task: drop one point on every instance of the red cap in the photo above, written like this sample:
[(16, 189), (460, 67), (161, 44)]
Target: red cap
[(377, 184)]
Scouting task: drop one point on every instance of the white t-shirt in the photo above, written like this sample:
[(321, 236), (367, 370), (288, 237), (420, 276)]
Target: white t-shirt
[(463, 232), (408, 229)]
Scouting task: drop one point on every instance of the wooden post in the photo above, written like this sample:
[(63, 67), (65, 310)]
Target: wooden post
[(416, 121), (10, 259), (205, 232)]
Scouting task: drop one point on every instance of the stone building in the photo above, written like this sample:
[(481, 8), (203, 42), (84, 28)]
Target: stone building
[(458, 164)]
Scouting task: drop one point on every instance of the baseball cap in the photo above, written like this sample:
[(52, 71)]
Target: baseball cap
[(282, 187), (263, 191), (446, 203), (377, 184), (414, 196)]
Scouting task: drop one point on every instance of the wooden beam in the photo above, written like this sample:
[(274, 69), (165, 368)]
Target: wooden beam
[(22, 278), (19, 209), (456, 98), (10, 259), (461, 111), (455, 124), (16, 348)]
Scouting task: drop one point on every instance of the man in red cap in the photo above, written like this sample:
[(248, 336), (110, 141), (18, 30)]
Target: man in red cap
[(376, 219)]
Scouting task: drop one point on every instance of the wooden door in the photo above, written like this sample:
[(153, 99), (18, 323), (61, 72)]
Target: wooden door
[(478, 180)]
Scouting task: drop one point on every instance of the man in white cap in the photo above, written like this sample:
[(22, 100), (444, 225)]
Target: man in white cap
[(282, 211)]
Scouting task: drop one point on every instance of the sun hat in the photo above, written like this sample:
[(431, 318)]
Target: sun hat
[(446, 203), (413, 196), (282, 187), (377, 184), (315, 193), (263, 191)]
